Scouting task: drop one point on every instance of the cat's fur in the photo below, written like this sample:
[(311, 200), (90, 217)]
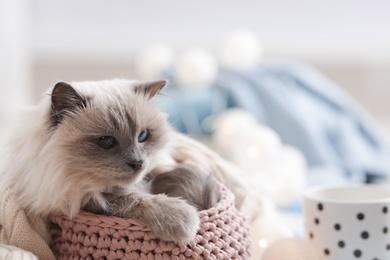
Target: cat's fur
[(190, 183), (187, 182), (55, 165)]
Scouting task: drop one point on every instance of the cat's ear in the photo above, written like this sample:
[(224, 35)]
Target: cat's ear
[(64, 100), (150, 89)]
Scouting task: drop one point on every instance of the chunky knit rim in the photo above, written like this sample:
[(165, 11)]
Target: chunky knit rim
[(224, 234)]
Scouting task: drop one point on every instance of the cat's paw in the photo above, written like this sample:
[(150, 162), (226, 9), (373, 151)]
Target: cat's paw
[(174, 219)]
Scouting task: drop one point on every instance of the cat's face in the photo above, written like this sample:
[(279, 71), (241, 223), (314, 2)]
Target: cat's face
[(108, 134)]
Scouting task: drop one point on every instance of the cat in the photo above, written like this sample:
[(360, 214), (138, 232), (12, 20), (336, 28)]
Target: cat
[(184, 181), (90, 145), (94, 142), (190, 183)]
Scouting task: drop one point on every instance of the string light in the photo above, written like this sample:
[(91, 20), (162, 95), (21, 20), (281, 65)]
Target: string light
[(270, 169), (280, 184), (229, 129), (263, 243), (253, 152)]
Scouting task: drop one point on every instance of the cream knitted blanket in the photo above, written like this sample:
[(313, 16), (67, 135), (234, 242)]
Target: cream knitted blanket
[(20, 232)]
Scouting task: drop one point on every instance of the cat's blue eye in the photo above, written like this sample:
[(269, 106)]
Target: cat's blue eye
[(143, 136), (105, 142)]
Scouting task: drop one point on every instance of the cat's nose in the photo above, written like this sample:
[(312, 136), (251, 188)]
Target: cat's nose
[(136, 165)]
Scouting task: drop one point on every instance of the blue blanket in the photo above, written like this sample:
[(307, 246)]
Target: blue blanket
[(338, 139)]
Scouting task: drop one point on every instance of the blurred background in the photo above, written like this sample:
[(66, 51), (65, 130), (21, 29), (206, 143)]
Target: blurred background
[(45, 41), (72, 40), (311, 79)]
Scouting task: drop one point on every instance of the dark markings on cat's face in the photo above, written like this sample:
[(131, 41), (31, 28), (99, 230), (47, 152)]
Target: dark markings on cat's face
[(123, 118)]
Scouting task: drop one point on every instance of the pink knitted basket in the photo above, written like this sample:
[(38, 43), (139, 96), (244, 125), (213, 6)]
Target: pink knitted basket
[(223, 234)]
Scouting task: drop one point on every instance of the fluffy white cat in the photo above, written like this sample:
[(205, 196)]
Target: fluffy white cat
[(94, 142)]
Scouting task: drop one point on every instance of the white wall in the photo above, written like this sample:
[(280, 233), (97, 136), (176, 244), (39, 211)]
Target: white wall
[(15, 62), (333, 30)]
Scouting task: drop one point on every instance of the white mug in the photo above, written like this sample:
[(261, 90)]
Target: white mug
[(348, 222)]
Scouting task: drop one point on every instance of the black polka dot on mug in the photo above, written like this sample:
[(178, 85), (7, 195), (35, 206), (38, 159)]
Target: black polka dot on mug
[(360, 216), (364, 235), (341, 244), (384, 210), (337, 226), (357, 253), (320, 206), (326, 251)]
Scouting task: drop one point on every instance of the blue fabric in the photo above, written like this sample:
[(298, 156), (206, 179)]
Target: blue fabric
[(191, 110), (308, 111)]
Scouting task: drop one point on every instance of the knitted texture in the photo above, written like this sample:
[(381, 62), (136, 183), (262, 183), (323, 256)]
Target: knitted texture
[(20, 229), (224, 234)]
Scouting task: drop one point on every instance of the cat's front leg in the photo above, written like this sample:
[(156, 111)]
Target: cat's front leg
[(171, 219)]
